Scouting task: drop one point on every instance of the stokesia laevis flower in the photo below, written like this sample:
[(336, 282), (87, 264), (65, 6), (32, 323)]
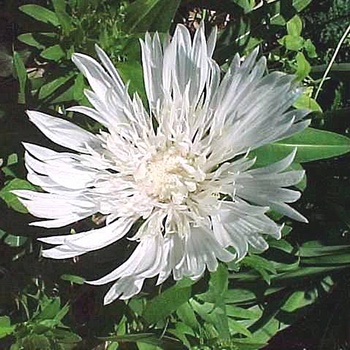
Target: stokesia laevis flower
[(181, 167)]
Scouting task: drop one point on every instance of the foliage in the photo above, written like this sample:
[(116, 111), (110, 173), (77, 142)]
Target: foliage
[(46, 305)]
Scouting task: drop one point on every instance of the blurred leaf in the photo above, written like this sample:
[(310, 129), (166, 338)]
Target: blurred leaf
[(310, 48), (54, 53), (10, 199), (312, 144), (40, 13), (5, 326), (35, 342), (187, 316), (49, 309), (167, 302), (340, 71), (246, 5), (73, 279), (293, 43), (66, 336), (150, 15), (48, 89), (263, 266), (38, 40), (131, 73), (29, 39), (300, 5), (21, 74), (148, 338), (303, 66), (307, 102), (12, 240), (295, 26), (63, 17)]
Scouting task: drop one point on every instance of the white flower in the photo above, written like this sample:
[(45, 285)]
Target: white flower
[(180, 170)]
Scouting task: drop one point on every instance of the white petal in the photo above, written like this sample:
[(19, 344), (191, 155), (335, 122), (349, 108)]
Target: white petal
[(94, 239), (63, 132)]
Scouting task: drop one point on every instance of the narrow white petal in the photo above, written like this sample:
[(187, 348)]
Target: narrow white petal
[(63, 132)]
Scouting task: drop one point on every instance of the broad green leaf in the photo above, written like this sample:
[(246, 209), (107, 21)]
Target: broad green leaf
[(303, 66), (310, 48), (292, 43), (240, 312), (238, 328), (297, 300), (294, 26), (10, 199), (219, 280), (49, 309), (312, 144), (21, 74), (307, 102), (167, 302), (40, 13), (38, 40), (263, 266), (54, 53), (5, 326), (131, 73), (187, 315), (300, 5), (29, 39), (48, 89), (150, 15)]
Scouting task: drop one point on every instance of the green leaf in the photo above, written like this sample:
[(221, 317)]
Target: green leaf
[(187, 316), (150, 15), (295, 26), (307, 102), (48, 89), (164, 304), (54, 53), (49, 309), (21, 74), (219, 280), (38, 40), (65, 20), (148, 338), (310, 48), (293, 43), (263, 266), (246, 5), (29, 39), (10, 199), (300, 5), (12, 240), (73, 279), (303, 66), (40, 13), (131, 73), (5, 326), (65, 336), (312, 144)]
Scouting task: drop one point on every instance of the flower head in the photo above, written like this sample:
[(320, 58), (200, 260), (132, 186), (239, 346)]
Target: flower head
[(179, 168)]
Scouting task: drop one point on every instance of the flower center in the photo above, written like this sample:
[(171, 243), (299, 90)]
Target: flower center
[(170, 175)]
